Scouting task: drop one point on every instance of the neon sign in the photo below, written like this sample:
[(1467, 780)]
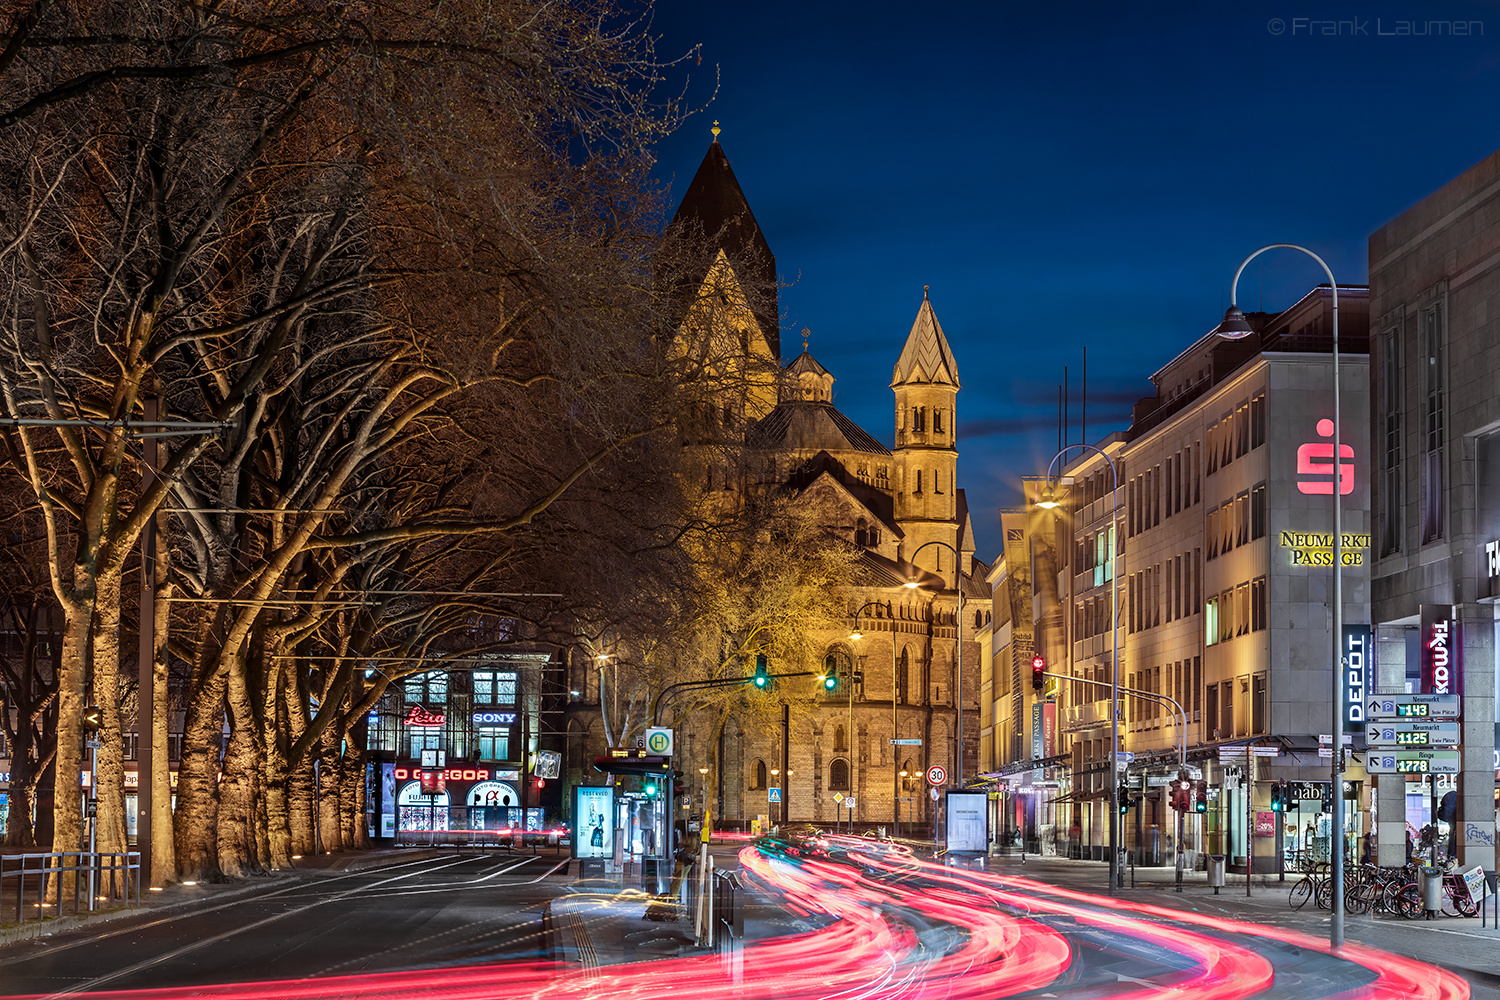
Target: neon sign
[(449, 774), (419, 716), (1315, 458), (494, 718), (1440, 656), (1356, 661)]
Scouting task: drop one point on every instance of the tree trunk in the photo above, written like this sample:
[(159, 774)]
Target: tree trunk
[(352, 800), (330, 781), (300, 808), (236, 832), (197, 779), (279, 849), (110, 835), (67, 805), (163, 862), (18, 829)]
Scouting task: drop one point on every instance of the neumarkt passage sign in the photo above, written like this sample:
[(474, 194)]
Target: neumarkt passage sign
[(1315, 548)]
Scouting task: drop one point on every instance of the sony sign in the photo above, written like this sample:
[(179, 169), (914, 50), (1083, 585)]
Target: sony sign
[(1355, 673), (1441, 666)]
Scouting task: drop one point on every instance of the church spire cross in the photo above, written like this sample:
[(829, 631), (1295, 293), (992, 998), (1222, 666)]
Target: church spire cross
[(805, 334), (715, 130)]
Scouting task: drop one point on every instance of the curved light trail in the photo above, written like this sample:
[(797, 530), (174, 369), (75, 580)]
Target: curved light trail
[(900, 928)]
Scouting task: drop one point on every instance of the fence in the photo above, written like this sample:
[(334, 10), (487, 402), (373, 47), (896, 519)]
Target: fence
[(28, 876)]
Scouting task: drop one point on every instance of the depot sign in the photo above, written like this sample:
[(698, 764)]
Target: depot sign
[(1442, 664), (1355, 676)]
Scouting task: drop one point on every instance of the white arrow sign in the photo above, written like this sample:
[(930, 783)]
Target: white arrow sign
[(1417, 707), (1397, 735), (1412, 762)]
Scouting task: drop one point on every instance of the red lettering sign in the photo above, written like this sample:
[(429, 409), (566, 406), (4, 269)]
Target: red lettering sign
[(419, 716), (1316, 459)]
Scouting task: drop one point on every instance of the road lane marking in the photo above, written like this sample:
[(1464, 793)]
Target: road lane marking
[(95, 983)]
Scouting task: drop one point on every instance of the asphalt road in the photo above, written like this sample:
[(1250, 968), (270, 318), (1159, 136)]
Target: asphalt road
[(877, 925)]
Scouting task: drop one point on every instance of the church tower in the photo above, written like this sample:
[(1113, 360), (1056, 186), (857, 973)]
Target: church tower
[(926, 455)]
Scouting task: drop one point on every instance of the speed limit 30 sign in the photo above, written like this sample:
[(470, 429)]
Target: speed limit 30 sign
[(936, 775)]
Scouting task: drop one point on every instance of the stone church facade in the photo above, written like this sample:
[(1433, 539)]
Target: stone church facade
[(898, 655)]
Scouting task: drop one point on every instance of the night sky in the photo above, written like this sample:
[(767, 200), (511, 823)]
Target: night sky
[(1067, 176)]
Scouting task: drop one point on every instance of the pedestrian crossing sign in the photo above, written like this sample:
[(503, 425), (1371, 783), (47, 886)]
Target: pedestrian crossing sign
[(773, 794)]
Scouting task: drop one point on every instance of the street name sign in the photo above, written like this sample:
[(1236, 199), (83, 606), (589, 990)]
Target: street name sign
[(1400, 735), (1412, 762), (906, 743), (1412, 706)]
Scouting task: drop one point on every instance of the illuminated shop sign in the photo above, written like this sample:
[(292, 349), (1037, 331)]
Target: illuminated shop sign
[(449, 774), (1315, 474), (419, 716), (1315, 548), (494, 718), (1489, 576), (1442, 669), (1355, 676)]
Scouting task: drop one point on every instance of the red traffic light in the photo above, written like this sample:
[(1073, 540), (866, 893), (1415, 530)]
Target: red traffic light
[(1038, 666)]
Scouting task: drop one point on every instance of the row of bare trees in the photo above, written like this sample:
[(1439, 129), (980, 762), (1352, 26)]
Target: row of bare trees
[(388, 279)]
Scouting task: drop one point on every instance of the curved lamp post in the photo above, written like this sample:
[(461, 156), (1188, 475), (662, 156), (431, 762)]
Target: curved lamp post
[(958, 655), (1048, 501), (1236, 327)]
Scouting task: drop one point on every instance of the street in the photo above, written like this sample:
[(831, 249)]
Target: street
[(829, 917)]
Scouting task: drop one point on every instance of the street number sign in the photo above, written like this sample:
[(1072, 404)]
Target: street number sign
[(936, 775), (1400, 735), (1412, 762), (1417, 707)]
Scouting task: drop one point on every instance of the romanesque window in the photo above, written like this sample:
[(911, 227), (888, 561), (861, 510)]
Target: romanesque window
[(758, 775), (838, 775)]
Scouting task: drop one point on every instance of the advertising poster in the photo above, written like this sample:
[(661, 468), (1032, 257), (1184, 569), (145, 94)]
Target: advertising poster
[(593, 825), (968, 822)]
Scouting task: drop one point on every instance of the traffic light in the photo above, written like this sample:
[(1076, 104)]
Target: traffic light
[(762, 678), (651, 788), (1038, 666), (1277, 803), (1201, 805), (1178, 799), (830, 681), (93, 718), (1123, 794)]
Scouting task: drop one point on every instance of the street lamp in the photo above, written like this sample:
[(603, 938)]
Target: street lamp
[(958, 654), (1236, 327), (1048, 501)]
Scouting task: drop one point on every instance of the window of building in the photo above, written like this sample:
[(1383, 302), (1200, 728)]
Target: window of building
[(1433, 526), (1197, 686), (758, 776), (1131, 507), (494, 687), (419, 738), (427, 689), (1211, 717), (838, 775), (1212, 534), (1226, 708), (1242, 430), (1390, 423), (1197, 479), (1258, 704), (1197, 578), (1242, 518), (937, 421), (919, 482), (494, 743), (1211, 621), (1260, 607), (1242, 609), (1258, 419), (1213, 448), (903, 674), (1259, 512)]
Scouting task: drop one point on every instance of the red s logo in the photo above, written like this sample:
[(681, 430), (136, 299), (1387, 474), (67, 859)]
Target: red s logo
[(1316, 459)]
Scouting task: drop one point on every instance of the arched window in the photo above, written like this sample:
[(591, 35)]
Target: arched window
[(903, 676), (758, 778), (838, 775), (840, 740), (919, 482)]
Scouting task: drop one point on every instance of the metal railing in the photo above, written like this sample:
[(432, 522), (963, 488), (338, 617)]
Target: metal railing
[(115, 875)]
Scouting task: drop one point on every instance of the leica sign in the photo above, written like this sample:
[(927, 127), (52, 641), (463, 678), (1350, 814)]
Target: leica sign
[(1315, 472), (1441, 666)]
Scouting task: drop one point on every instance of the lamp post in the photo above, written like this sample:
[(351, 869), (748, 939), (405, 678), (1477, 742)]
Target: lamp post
[(1048, 501), (958, 653), (1235, 327)]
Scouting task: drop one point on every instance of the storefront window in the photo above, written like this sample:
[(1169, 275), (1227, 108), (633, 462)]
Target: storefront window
[(494, 743)]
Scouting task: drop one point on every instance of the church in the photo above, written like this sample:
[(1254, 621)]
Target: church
[(907, 658)]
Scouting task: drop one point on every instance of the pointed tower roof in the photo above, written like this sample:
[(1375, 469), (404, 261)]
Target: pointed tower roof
[(715, 201), (926, 356)]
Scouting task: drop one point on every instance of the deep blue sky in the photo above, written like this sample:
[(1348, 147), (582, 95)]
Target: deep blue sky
[(1066, 175)]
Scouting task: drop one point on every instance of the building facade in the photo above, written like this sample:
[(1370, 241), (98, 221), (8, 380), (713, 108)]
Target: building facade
[(1435, 356), (903, 666), (1221, 521)]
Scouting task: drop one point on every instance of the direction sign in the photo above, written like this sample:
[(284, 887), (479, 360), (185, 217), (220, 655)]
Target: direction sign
[(1411, 706), (936, 775), (1399, 735), (906, 743), (1412, 762)]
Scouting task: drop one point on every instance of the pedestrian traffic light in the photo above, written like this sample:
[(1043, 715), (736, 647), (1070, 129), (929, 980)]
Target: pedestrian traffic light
[(93, 717), (1277, 803), (830, 681), (1038, 667), (1201, 805), (762, 679), (1123, 794)]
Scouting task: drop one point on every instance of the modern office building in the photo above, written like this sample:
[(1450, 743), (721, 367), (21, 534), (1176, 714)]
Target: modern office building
[(1222, 523), (1435, 410)]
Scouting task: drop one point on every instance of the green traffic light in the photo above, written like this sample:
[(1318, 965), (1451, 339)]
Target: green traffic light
[(830, 682)]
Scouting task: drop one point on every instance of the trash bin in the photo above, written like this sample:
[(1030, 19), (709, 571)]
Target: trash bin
[(654, 875), (1432, 890), (1215, 864)]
